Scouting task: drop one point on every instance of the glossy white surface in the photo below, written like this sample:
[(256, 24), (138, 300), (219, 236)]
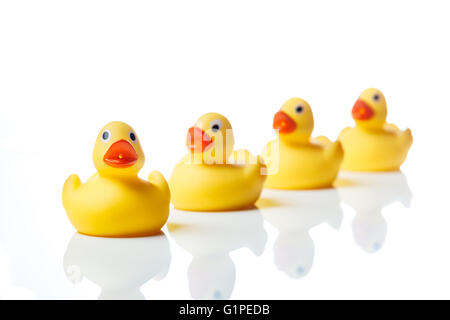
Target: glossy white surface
[(367, 238)]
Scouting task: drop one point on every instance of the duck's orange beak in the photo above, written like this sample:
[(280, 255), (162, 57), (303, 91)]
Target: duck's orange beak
[(283, 123), (361, 111), (198, 140), (120, 154)]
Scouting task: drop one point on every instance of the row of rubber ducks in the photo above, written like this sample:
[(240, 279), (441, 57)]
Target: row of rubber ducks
[(115, 202)]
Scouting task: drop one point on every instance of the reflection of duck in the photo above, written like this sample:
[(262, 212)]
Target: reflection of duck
[(119, 266), (294, 214), (368, 194), (210, 237)]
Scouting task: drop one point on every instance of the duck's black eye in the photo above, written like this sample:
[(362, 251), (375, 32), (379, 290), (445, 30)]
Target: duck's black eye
[(106, 135), (299, 109), (376, 97), (215, 125), (132, 136)]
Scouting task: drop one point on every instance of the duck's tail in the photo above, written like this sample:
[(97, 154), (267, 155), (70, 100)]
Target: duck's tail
[(241, 157), (406, 137), (157, 179), (344, 132), (254, 165), (70, 187), (261, 167), (334, 151), (322, 140)]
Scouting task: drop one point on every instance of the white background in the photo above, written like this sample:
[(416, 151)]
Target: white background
[(68, 68)]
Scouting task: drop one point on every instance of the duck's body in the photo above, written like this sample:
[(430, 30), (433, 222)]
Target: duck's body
[(212, 177), (373, 144), (115, 202), (295, 160), (205, 187), (381, 150), (109, 207), (306, 166)]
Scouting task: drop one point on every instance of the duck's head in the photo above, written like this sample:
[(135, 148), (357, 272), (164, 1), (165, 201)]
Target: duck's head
[(117, 150), (294, 121), (370, 109), (211, 139)]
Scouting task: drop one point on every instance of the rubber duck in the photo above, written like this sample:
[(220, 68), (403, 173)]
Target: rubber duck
[(210, 238), (373, 145), (213, 177), (295, 213), (115, 202), (119, 266), (368, 193), (295, 160)]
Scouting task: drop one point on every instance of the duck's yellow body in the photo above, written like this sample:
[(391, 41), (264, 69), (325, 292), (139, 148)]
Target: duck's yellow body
[(383, 150), (212, 177), (116, 208), (373, 144), (205, 187), (115, 202), (308, 166), (295, 161)]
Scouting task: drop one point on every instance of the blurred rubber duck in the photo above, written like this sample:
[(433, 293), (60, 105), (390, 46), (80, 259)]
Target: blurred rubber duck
[(212, 177), (368, 194), (115, 202), (210, 238), (297, 161), (119, 266), (373, 145), (294, 214)]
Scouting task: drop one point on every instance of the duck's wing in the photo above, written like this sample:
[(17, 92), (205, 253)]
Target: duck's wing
[(157, 179)]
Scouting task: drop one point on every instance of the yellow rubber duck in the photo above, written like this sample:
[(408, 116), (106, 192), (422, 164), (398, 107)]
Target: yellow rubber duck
[(115, 202), (295, 160), (212, 177), (373, 145)]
